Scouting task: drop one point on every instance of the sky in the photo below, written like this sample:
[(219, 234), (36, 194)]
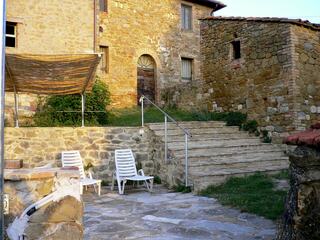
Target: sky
[(303, 9)]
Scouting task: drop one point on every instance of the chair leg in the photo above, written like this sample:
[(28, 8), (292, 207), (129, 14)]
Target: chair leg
[(81, 189), (123, 184), (119, 185), (99, 188)]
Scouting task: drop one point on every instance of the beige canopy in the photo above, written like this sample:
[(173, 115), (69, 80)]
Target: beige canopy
[(50, 74)]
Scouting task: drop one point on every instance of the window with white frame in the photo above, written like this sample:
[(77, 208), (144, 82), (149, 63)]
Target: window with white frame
[(11, 34), (186, 17), (104, 63), (186, 69)]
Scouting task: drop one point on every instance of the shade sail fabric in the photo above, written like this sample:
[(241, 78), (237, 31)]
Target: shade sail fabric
[(50, 74)]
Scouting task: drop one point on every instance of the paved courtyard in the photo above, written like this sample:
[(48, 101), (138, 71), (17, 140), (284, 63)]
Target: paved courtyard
[(164, 215)]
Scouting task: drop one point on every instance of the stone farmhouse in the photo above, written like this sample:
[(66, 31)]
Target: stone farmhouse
[(177, 52), (145, 45)]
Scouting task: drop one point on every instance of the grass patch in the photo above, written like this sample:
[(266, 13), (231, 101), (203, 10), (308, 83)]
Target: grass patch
[(132, 116), (182, 189), (253, 194)]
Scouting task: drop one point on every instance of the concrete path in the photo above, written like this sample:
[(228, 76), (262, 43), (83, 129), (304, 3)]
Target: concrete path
[(164, 216)]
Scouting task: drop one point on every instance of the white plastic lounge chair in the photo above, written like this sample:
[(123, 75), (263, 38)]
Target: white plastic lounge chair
[(126, 170), (73, 159)]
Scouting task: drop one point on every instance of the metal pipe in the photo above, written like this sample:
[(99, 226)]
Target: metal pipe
[(169, 117), (94, 25), (2, 100), (186, 159), (142, 111), (165, 138), (16, 109), (82, 109)]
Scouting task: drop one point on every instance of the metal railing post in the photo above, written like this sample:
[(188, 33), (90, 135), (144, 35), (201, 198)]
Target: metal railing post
[(2, 106), (82, 109), (186, 159), (142, 111), (165, 138)]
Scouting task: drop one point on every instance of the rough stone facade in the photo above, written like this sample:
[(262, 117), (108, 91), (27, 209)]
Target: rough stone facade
[(55, 220), (276, 79), (41, 146), (133, 28)]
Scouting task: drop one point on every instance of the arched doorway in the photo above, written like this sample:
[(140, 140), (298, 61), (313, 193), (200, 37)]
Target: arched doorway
[(146, 78)]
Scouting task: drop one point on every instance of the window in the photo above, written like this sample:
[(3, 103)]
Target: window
[(236, 45), (103, 5), (11, 34), (186, 17), (186, 69), (104, 63)]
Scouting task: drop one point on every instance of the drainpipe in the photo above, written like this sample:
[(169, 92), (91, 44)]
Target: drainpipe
[(94, 25), (2, 92)]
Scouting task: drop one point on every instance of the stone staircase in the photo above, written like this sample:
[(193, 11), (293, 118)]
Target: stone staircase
[(217, 152)]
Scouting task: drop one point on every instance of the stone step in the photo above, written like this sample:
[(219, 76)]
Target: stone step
[(239, 149), (202, 182), (210, 136), (214, 143), (198, 131), (235, 158), (189, 125), (235, 167)]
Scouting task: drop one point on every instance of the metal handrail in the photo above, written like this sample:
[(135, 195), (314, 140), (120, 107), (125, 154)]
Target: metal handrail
[(185, 130), (166, 117)]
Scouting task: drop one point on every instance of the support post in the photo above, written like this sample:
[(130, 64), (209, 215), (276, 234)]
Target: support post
[(186, 159), (16, 109), (165, 138), (142, 111), (82, 109), (2, 99)]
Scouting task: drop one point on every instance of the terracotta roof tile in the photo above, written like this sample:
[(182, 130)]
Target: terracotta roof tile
[(299, 22), (310, 137)]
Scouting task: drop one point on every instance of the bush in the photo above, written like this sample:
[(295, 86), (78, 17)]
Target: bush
[(265, 137), (250, 126), (59, 110), (235, 119)]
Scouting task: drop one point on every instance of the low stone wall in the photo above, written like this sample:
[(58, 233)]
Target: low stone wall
[(41, 146), (55, 220)]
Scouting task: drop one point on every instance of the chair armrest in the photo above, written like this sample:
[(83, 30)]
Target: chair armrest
[(141, 172)]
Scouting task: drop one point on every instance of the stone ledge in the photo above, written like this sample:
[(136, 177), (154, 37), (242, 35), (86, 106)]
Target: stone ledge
[(309, 138), (38, 173)]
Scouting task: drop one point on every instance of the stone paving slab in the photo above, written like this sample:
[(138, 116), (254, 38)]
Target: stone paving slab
[(164, 215)]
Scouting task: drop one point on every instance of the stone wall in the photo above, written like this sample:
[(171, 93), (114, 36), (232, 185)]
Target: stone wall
[(307, 65), (55, 220), (133, 28), (268, 81), (41, 146)]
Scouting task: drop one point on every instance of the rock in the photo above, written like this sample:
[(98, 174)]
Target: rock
[(68, 209)]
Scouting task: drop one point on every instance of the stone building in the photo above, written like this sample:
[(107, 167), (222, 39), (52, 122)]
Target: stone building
[(147, 45), (266, 67)]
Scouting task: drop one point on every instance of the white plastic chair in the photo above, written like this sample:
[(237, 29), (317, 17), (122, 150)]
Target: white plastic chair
[(126, 170), (73, 159)]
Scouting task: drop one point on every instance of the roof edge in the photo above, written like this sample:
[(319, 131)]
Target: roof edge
[(299, 22), (216, 5)]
